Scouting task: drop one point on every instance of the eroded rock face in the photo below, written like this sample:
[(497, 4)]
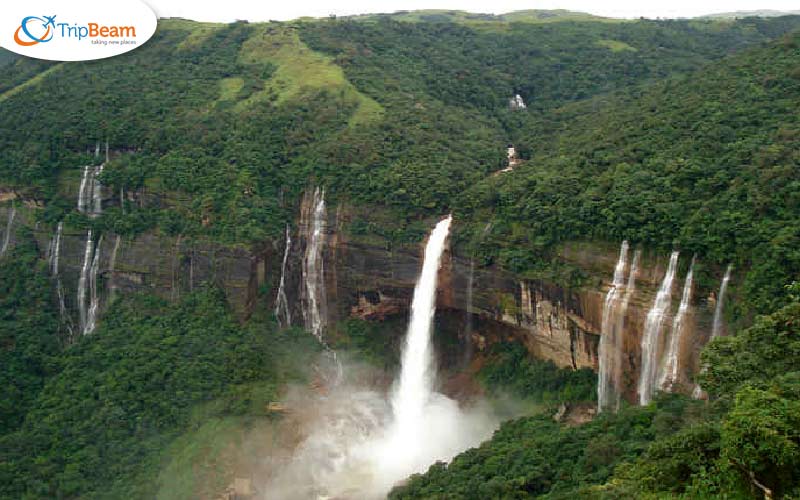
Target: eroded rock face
[(366, 278)]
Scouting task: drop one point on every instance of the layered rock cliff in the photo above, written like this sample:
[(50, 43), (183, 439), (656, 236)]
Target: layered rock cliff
[(368, 278)]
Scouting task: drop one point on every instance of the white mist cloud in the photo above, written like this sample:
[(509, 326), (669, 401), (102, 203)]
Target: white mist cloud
[(352, 448)]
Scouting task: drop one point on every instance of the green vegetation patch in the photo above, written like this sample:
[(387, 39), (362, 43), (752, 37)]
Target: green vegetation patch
[(616, 45)]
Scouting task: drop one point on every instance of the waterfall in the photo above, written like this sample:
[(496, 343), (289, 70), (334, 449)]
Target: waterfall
[(54, 252), (313, 270), (282, 312), (415, 384), (84, 280), (360, 444), (651, 338), (97, 194), (82, 205), (610, 340), (9, 227), (716, 329), (54, 258), (112, 265), (87, 307), (630, 287), (672, 361), (94, 298), (90, 199)]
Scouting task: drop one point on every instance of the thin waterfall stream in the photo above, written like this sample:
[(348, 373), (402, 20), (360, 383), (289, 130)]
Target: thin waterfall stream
[(651, 339)]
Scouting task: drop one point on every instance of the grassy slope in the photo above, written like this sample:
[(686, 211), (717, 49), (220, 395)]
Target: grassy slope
[(299, 72)]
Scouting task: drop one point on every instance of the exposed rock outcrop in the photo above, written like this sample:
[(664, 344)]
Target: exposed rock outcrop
[(366, 277)]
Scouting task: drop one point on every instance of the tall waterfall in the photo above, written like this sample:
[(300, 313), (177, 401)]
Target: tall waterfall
[(314, 312), (360, 444), (417, 375), (87, 284), (672, 362), (651, 339), (610, 339), (9, 228), (282, 312), (54, 254), (716, 329), (90, 193)]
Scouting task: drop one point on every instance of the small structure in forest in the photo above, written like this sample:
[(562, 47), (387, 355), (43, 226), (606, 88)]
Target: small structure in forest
[(516, 103)]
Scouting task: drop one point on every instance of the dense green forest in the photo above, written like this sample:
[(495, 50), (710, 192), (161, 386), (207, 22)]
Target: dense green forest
[(745, 439), (671, 134), (96, 419)]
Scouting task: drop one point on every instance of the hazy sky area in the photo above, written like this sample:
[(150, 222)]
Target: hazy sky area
[(264, 10)]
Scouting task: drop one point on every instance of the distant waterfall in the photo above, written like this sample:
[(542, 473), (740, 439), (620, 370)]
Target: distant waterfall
[(84, 280), (9, 228), (90, 199), (282, 312), (314, 312), (672, 362), (651, 338), (112, 265), (54, 256), (94, 298), (610, 340), (87, 284), (716, 330)]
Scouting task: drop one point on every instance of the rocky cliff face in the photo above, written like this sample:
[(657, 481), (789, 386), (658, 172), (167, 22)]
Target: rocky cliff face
[(368, 279)]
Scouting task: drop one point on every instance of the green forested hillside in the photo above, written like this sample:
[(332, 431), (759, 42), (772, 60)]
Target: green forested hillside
[(408, 115), (110, 406), (707, 163)]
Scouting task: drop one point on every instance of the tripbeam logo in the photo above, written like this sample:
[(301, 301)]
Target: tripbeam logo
[(29, 39), (90, 29)]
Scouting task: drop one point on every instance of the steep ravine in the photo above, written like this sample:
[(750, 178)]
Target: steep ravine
[(366, 279)]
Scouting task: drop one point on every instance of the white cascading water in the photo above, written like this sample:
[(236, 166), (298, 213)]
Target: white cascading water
[(630, 287), (651, 339), (87, 285), (282, 312), (313, 268), (83, 281), (361, 445), (417, 375), (94, 297), (716, 329), (82, 190), (112, 265), (97, 192), (9, 228), (90, 199), (609, 340), (670, 371), (55, 257), (717, 325)]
